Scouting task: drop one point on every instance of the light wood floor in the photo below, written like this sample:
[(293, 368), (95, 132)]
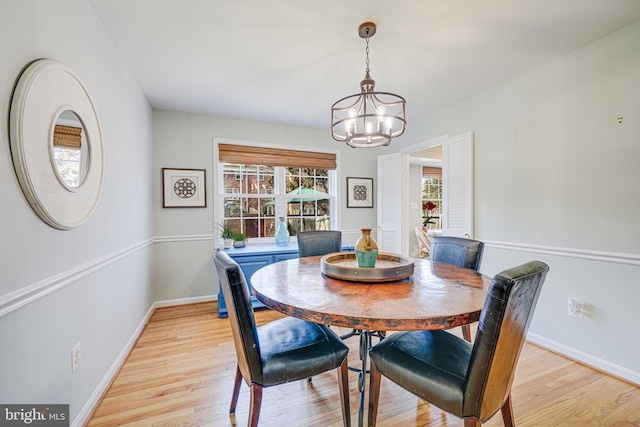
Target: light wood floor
[(181, 373)]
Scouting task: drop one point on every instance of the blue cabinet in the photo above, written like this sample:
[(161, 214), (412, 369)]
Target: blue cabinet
[(252, 258)]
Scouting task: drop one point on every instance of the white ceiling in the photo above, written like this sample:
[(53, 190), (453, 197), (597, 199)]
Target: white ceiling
[(288, 61)]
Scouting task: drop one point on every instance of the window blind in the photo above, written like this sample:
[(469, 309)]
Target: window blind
[(67, 136), (431, 172), (241, 154)]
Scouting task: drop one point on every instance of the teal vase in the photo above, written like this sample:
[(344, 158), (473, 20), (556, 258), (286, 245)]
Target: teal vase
[(282, 233), (366, 250)]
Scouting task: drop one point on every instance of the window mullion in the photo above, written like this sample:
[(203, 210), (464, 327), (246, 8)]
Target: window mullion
[(280, 190)]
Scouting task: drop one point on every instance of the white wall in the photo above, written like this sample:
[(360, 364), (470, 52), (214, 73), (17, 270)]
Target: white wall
[(556, 179), (91, 284), (184, 266)]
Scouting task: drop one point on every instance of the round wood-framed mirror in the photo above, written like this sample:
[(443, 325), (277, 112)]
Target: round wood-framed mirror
[(56, 144)]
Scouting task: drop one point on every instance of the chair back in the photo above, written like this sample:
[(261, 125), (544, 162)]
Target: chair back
[(424, 242), (312, 243), (243, 323), (458, 251), (502, 330)]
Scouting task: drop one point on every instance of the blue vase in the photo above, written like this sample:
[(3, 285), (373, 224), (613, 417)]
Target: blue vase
[(282, 233)]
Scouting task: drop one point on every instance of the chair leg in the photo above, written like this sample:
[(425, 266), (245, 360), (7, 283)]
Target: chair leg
[(507, 413), (343, 380), (466, 332), (374, 395), (472, 422), (254, 406), (236, 391)]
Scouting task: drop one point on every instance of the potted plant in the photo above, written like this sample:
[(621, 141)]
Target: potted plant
[(226, 232), (239, 240)]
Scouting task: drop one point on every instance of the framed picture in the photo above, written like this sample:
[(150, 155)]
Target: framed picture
[(359, 192), (184, 188)]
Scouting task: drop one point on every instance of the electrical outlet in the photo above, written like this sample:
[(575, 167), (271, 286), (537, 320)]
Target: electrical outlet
[(75, 357), (575, 308)]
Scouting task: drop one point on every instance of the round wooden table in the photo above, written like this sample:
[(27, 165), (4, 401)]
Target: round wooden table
[(437, 296)]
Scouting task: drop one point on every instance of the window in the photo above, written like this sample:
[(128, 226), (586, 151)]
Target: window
[(308, 199), (296, 185), (69, 144), (432, 192), (249, 203), (67, 161)]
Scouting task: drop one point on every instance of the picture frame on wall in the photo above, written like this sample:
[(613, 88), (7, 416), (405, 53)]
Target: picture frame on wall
[(359, 192), (184, 188)]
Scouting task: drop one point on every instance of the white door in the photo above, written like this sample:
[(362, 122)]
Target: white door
[(392, 170), (457, 186)]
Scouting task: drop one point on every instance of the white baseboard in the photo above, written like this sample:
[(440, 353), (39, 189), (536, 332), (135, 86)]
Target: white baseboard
[(185, 301), (104, 384), (110, 375), (586, 359)]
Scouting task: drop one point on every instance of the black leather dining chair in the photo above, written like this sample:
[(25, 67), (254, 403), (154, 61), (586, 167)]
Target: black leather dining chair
[(458, 251), (285, 350), (470, 380), (321, 242)]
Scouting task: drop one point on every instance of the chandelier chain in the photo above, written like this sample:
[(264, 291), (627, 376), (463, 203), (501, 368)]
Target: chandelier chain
[(367, 51)]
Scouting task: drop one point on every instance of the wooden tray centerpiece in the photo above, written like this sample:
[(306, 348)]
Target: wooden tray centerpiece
[(389, 267)]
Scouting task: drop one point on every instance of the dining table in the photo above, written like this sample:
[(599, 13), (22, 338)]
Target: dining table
[(436, 296)]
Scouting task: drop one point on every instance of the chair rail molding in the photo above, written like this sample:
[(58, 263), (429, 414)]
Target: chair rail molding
[(19, 298), (604, 256), (15, 300), (184, 238)]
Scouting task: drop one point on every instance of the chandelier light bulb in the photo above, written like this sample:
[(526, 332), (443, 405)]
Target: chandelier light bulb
[(368, 128)]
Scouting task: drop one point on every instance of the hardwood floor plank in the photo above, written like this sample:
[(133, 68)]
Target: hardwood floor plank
[(181, 371)]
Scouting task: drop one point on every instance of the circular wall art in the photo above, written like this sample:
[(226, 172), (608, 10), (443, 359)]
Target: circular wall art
[(56, 144), (185, 188)]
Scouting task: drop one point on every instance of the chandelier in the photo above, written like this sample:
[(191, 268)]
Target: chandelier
[(368, 118)]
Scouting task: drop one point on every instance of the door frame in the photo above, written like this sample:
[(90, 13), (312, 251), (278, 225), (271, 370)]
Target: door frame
[(407, 224), (425, 144)]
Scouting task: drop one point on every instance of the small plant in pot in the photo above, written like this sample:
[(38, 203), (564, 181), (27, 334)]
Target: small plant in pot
[(239, 240), (227, 233)]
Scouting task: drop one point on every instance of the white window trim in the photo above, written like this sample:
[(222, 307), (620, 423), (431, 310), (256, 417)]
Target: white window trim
[(218, 208)]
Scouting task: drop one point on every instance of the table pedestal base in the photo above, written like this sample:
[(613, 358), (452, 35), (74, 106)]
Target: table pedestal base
[(363, 349)]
